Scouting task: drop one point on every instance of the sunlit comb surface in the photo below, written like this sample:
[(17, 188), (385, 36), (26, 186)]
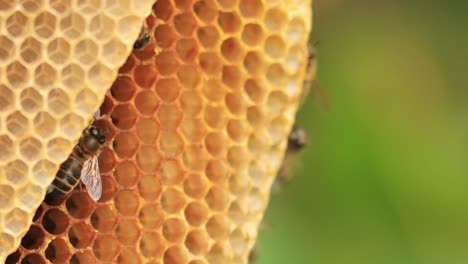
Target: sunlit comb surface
[(198, 122)]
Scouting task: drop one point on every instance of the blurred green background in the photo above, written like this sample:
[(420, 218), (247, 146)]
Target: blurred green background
[(384, 178)]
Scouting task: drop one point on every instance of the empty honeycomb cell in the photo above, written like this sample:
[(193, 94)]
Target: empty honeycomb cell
[(185, 24), (16, 172), (275, 47), (126, 174), (252, 34), (31, 5), (239, 183), (58, 50), (127, 203), (101, 26), (237, 129), (171, 144), (31, 50), (251, 8), (165, 35), (257, 144), (254, 88), (208, 36), (172, 200), (107, 106), (17, 124), (31, 100), (276, 129), (43, 122), (152, 245), (196, 213), (123, 89), (193, 130), (33, 259), (187, 49), (205, 11), (125, 145), (6, 48), (104, 219), (128, 232), (149, 187), (6, 196), (16, 220), (14, 257), (79, 205), (211, 90), (99, 75), (168, 89), (57, 251), (174, 230), (85, 98), (7, 150), (237, 242), (17, 75), (218, 253), (254, 63), (236, 212), (256, 200), (214, 143), (175, 254), (277, 102), (166, 63), (55, 221), (232, 77), (80, 235), (6, 241), (183, 4), (124, 116), (148, 158), (129, 256), (45, 75), (17, 24), (276, 74), (215, 117), (43, 171), (293, 59), (109, 188), (106, 247), (257, 172), (217, 171), (210, 62), (56, 149), (171, 172), (217, 198), (30, 148), (275, 19), (83, 257), (235, 104), (197, 242), (72, 76), (230, 22), (255, 116), (151, 216), (6, 98), (86, 52), (195, 185), (170, 116), (5, 5), (107, 160), (146, 102), (296, 29), (26, 196), (232, 50), (72, 25), (70, 124), (89, 6), (44, 25), (147, 130), (191, 103), (193, 157), (189, 76)]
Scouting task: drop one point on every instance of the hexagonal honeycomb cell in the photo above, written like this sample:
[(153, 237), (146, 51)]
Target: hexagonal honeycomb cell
[(57, 59), (198, 121)]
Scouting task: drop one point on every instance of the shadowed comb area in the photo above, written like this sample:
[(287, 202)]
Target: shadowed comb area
[(198, 119)]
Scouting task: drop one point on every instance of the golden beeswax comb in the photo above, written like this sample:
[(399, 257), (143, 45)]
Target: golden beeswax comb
[(198, 121)]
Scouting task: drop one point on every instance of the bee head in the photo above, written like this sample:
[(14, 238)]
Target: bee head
[(101, 137)]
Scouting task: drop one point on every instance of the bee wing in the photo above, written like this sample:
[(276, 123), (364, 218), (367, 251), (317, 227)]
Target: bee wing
[(91, 177), (97, 114)]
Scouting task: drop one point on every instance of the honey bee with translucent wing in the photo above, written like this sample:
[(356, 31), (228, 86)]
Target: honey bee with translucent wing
[(82, 164)]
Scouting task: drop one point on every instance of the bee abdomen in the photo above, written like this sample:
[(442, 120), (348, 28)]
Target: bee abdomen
[(66, 179)]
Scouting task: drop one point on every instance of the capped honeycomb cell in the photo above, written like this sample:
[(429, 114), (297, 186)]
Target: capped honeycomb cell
[(196, 125)]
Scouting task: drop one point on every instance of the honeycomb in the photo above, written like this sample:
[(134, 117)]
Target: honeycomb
[(198, 123), (57, 59)]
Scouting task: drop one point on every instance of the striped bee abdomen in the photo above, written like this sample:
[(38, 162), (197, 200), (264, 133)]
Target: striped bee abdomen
[(66, 179)]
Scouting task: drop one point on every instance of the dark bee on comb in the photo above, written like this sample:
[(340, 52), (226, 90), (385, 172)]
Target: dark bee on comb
[(142, 42)]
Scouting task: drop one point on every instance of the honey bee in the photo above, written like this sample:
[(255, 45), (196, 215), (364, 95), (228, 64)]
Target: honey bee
[(82, 164), (297, 140), (311, 82), (143, 39)]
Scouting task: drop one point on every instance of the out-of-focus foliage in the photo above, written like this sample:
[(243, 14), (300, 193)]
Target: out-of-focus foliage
[(384, 179)]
